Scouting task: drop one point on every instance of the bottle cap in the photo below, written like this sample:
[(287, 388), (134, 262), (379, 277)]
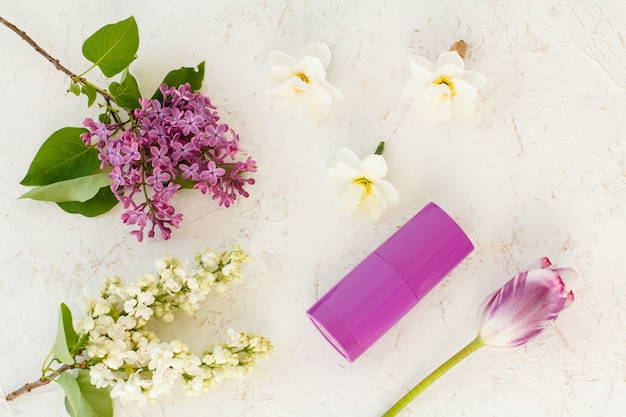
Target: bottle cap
[(390, 281)]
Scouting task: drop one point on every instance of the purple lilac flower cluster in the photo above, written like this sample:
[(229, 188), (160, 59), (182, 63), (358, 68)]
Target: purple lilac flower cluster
[(172, 140)]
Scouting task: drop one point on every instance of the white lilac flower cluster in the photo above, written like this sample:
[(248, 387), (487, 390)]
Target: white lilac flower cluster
[(122, 354)]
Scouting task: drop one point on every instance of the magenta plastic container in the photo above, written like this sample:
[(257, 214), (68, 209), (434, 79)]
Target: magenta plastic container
[(390, 281)]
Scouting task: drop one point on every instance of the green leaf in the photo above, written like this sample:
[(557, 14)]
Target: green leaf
[(77, 189), (66, 336), (126, 93), (72, 392), (102, 202), (91, 94), (74, 89), (104, 118), (113, 47), (82, 399), (97, 400), (62, 156), (181, 76)]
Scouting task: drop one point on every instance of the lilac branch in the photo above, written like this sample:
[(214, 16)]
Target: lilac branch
[(55, 62), (44, 380)]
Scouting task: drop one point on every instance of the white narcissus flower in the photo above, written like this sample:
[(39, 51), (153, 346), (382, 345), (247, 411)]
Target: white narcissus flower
[(444, 91), (299, 85), (362, 185)]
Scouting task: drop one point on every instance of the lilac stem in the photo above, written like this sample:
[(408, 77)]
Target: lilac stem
[(75, 78), (44, 380)]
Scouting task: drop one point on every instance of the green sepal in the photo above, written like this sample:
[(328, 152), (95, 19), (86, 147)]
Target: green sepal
[(126, 93), (77, 189), (102, 202), (91, 94), (66, 336), (181, 76), (82, 399), (113, 47), (62, 156)]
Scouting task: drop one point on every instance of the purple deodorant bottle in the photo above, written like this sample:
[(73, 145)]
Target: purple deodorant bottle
[(390, 281)]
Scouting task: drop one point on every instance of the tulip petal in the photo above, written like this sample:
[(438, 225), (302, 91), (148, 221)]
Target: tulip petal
[(541, 263), (568, 275), (522, 308), (570, 299)]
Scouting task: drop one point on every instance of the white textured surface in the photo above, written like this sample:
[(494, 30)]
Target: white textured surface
[(540, 171)]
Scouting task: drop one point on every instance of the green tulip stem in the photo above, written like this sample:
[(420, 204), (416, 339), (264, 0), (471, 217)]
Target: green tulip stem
[(473, 346)]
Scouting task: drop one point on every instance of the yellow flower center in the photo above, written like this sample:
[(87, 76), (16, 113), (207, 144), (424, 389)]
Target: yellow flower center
[(447, 81), (365, 183), (304, 78)]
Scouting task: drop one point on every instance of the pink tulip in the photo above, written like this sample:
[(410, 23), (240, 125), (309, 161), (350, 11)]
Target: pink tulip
[(511, 316), (524, 306)]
